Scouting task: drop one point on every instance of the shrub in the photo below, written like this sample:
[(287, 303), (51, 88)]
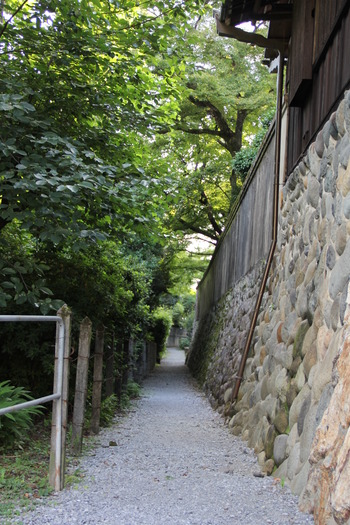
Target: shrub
[(184, 343), (109, 406), (160, 327), (14, 425), (133, 390)]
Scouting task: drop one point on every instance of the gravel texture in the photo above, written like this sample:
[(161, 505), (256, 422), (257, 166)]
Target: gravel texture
[(170, 461)]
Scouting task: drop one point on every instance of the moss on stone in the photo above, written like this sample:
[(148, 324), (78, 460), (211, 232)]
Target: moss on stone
[(271, 435), (281, 421), (299, 338)]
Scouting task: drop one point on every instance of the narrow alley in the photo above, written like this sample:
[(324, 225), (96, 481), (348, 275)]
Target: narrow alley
[(170, 461)]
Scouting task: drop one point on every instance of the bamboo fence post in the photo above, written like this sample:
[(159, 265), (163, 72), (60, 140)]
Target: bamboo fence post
[(110, 368), (65, 313), (81, 386), (97, 381)]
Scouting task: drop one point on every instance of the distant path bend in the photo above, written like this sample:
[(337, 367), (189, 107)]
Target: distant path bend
[(170, 462)]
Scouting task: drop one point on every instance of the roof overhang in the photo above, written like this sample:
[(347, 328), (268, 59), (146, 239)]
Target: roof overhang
[(278, 13)]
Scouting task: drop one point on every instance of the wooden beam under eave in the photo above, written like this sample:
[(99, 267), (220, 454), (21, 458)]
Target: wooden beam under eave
[(249, 38)]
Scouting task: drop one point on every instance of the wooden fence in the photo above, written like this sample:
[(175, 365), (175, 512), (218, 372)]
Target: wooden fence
[(113, 367), (247, 236)]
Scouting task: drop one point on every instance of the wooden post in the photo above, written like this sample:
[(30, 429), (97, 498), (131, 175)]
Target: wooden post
[(65, 313), (81, 386), (125, 365), (131, 363), (118, 379), (110, 368), (97, 383)]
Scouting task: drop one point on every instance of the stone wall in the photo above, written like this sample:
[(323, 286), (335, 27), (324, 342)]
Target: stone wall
[(293, 405), (175, 336)]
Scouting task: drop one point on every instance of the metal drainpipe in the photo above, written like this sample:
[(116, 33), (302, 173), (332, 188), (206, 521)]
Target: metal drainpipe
[(244, 358)]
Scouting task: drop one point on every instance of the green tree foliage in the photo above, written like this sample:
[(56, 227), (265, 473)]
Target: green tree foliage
[(82, 84), (119, 123), (221, 110), (84, 87), (160, 327)]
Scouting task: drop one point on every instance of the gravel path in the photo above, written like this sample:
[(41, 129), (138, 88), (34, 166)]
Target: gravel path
[(170, 461)]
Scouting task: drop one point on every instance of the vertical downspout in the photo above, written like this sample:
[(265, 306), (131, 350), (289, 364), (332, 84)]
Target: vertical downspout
[(244, 358)]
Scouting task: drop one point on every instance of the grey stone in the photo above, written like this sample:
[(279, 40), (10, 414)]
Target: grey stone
[(340, 239), (270, 407), (338, 213), (340, 273), (327, 133), (282, 384), (293, 438), (340, 118), (329, 184), (319, 144), (291, 394), (293, 179), (330, 208), (333, 126), (313, 191), (309, 338), (308, 433), (270, 437), (297, 404), (310, 271), (323, 206), (294, 465), (335, 311), (345, 153), (323, 402), (281, 421), (327, 309), (295, 366), (312, 304), (299, 481), (281, 472), (264, 388), (299, 338), (279, 448), (331, 257), (283, 355), (268, 467), (289, 327), (346, 206), (301, 306), (343, 304), (228, 395), (310, 359), (322, 371), (300, 379), (302, 414)]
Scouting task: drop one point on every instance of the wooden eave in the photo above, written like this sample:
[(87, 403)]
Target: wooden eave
[(277, 12), (235, 12)]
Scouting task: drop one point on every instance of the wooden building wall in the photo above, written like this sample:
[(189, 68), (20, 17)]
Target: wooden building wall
[(318, 70)]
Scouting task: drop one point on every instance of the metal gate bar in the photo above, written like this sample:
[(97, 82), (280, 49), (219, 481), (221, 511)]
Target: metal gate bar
[(56, 396)]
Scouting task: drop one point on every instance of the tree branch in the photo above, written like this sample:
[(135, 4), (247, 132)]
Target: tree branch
[(195, 229), (205, 201), (12, 17)]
